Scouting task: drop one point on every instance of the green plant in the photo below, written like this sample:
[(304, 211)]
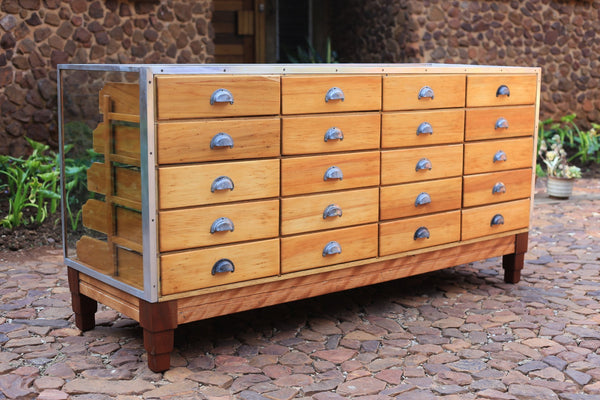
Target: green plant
[(556, 161), (581, 146), (75, 185), (311, 56)]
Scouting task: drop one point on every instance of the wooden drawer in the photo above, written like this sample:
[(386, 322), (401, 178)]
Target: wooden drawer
[(212, 140), (191, 185), (318, 134), (477, 222), (307, 174), (485, 90), (307, 251), (309, 94), (487, 156), (498, 123), (409, 92), (419, 232), (496, 187), (192, 270), (406, 165), (420, 198), (328, 211), (208, 226), (190, 96), (422, 128)]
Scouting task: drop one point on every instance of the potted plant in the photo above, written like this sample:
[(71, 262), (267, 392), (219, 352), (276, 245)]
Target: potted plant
[(561, 175)]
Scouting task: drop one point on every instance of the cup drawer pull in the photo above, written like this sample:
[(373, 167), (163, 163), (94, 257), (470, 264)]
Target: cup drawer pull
[(333, 172), (332, 210), (500, 156), (334, 134), (497, 219), (332, 247), (335, 93), (423, 164), (222, 266), (501, 123), (426, 92), (221, 96), (221, 139), (422, 199), (503, 90), (221, 183), (221, 225), (425, 128), (499, 187), (421, 233)]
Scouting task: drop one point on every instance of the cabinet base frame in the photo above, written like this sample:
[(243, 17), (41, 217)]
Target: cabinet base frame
[(159, 320)]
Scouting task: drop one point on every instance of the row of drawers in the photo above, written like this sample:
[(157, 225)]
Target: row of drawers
[(184, 97), (217, 183), (197, 269), (246, 138)]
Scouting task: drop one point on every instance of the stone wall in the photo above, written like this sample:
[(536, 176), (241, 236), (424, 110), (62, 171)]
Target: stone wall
[(561, 36), (36, 35)]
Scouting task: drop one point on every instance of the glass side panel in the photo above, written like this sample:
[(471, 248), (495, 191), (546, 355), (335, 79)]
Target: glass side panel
[(101, 138)]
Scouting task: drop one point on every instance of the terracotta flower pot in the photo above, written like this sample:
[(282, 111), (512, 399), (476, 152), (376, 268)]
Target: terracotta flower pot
[(559, 188)]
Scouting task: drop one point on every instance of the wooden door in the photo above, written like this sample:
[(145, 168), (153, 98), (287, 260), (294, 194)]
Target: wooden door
[(239, 31)]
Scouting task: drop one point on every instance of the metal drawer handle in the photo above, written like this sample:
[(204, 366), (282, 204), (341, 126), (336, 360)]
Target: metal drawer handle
[(335, 93), (221, 183), (334, 134), (426, 92), (501, 123), (500, 156), (499, 188), (332, 247), (221, 139), (332, 210), (221, 225), (422, 199), (503, 90), (425, 127), (421, 233), (223, 265), (221, 96), (333, 172), (497, 219), (423, 163)]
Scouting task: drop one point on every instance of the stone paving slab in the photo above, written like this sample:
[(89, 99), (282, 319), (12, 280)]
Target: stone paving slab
[(455, 334)]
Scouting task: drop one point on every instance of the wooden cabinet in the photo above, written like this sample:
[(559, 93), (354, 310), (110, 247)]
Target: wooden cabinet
[(233, 187)]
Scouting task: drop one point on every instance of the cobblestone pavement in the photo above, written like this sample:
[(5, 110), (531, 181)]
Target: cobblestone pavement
[(459, 333)]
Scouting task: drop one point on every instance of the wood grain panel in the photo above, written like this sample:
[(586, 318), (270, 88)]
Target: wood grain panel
[(129, 224), (476, 222), (478, 189), (188, 228), (399, 166), (399, 236), (126, 139), (306, 251), (188, 96), (130, 268), (306, 135), (302, 94), (306, 174), (127, 182), (481, 122), (305, 213), (96, 254), (399, 129), (124, 97), (398, 201), (94, 215), (401, 92), (190, 270), (181, 142), (190, 185), (479, 156), (482, 90)]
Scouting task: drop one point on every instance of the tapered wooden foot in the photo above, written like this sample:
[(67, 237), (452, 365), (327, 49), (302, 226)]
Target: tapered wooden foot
[(84, 307), (159, 321), (513, 263)]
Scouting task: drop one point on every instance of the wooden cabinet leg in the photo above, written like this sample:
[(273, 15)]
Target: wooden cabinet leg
[(513, 263), (84, 307), (159, 321)]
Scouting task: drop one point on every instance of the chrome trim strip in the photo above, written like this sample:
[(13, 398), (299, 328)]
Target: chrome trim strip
[(61, 148), (105, 278)]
